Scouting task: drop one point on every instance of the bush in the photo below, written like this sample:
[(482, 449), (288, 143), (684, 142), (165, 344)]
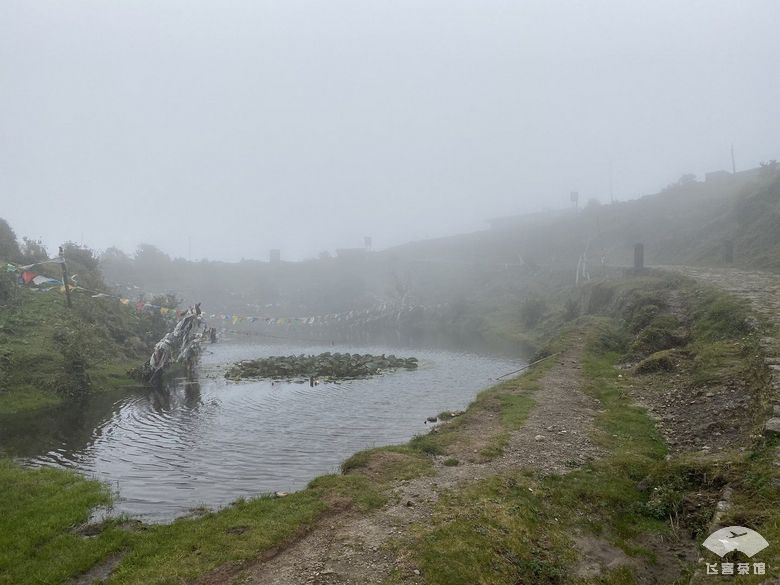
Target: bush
[(532, 310), (74, 383), (660, 361), (664, 332), (8, 288), (9, 246), (722, 318), (571, 310)]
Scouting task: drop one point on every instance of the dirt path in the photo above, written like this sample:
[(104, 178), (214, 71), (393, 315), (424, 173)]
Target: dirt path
[(353, 549), (761, 289)]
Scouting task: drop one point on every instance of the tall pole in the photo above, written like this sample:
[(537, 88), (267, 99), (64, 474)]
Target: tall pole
[(733, 163), (65, 279), (611, 187)]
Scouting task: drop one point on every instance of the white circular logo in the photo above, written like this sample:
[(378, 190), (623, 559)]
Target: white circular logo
[(739, 538)]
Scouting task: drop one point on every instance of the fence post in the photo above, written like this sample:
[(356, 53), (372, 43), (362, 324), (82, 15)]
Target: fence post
[(639, 257)]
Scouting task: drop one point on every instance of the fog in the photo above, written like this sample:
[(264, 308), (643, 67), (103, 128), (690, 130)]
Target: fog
[(223, 129)]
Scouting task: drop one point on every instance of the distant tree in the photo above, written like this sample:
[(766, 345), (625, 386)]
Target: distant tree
[(117, 267), (83, 266), (684, 181), (153, 266), (532, 310), (592, 204), (769, 168), (33, 251), (9, 246)]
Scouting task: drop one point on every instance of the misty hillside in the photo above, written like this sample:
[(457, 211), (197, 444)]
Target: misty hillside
[(688, 222)]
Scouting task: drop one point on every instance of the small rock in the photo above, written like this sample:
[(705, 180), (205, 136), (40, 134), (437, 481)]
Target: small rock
[(539, 438), (280, 494), (772, 426), (417, 571)]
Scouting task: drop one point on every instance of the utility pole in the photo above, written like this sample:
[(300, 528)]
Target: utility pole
[(65, 278), (733, 163), (611, 186)]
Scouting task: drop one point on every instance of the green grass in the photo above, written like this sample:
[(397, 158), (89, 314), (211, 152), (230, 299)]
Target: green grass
[(386, 464), (38, 510), (517, 527), (489, 533), (180, 551), (107, 334), (41, 509)]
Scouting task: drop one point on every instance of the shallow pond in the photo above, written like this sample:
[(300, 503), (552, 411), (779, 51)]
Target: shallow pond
[(210, 442)]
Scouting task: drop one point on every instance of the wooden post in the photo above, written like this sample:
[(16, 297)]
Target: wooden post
[(65, 279), (639, 257)]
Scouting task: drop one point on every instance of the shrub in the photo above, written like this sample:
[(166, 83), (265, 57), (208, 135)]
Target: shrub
[(660, 361), (532, 310), (74, 382)]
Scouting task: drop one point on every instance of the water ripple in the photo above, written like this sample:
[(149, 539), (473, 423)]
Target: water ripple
[(212, 442)]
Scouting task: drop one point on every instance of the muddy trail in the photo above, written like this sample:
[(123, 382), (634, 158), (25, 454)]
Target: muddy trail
[(353, 548)]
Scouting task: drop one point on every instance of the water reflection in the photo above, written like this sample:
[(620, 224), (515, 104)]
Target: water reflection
[(211, 441)]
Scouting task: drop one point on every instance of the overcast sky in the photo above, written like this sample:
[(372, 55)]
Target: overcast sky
[(244, 126)]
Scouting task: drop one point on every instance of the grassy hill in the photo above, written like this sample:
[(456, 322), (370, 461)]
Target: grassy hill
[(688, 222), (50, 353)]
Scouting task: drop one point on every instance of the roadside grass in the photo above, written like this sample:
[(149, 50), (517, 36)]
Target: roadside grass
[(186, 548), (38, 511), (519, 527), (499, 530), (387, 464), (41, 511)]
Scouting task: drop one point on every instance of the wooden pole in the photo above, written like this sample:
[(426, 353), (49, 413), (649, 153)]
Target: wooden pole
[(639, 257), (65, 279), (529, 365)]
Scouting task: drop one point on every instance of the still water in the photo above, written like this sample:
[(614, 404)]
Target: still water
[(212, 441)]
